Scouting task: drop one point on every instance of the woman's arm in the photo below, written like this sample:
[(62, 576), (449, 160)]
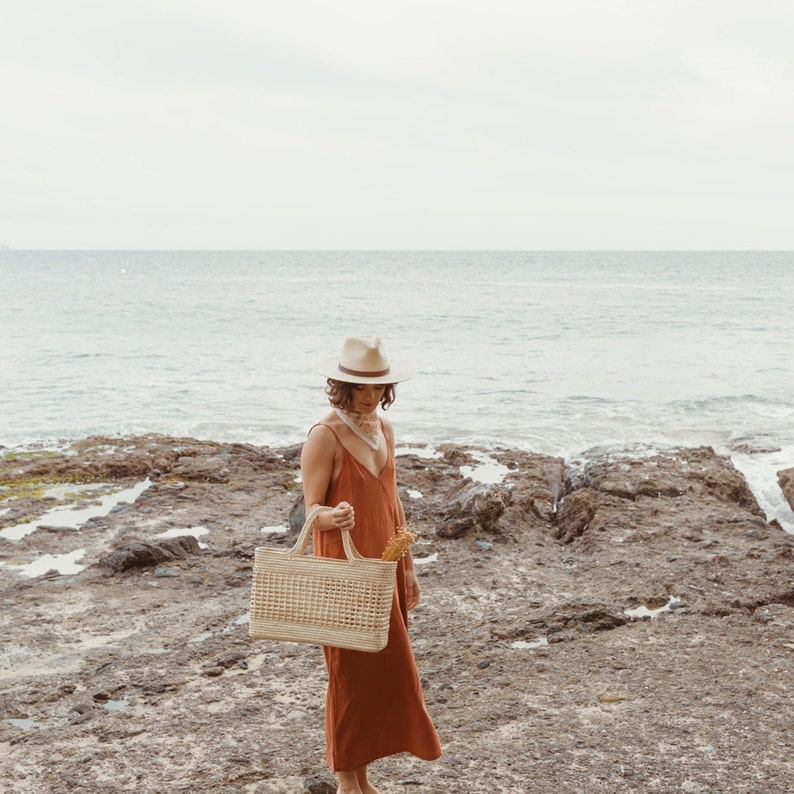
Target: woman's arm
[(317, 468), (411, 582)]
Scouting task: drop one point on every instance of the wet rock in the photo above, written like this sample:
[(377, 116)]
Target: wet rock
[(319, 784), (297, 518), (455, 527), (583, 616), (83, 712), (144, 555), (102, 459), (151, 690), (563, 622), (575, 514), (456, 456), (695, 471), (786, 480), (291, 455), (536, 485), (211, 470), (754, 446), (472, 505), (165, 573), (232, 658)]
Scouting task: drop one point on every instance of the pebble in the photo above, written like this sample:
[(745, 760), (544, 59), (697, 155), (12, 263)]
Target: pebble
[(319, 784), (162, 573)]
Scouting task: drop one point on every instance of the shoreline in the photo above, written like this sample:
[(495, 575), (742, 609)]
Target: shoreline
[(758, 459)]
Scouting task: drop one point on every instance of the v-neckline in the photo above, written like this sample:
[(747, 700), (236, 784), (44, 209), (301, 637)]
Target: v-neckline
[(361, 464), (364, 465)]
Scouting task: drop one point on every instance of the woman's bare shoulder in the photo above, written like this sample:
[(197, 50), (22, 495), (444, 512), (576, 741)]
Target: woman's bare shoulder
[(322, 433)]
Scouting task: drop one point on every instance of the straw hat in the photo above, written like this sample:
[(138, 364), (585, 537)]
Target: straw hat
[(363, 360)]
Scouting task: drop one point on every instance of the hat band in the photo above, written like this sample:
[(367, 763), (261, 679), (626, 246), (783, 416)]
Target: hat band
[(358, 373)]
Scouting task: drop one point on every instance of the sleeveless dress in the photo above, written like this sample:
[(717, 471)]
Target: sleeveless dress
[(374, 706)]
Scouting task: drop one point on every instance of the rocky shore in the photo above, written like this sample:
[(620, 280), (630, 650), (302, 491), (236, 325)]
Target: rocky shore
[(622, 625)]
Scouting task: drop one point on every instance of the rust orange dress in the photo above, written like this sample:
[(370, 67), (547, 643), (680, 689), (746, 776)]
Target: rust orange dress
[(374, 707)]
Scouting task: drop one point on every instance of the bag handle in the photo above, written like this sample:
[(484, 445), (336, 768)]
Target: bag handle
[(302, 543)]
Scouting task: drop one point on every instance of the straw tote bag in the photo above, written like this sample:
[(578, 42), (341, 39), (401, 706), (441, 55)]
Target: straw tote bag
[(319, 600)]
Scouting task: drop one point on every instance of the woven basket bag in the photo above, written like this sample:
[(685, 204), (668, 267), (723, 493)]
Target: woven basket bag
[(319, 600)]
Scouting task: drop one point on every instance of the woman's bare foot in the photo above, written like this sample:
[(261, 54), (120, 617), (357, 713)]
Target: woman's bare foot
[(348, 783), (364, 784)]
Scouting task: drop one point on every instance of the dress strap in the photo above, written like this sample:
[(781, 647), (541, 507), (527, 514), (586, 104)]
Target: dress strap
[(328, 427)]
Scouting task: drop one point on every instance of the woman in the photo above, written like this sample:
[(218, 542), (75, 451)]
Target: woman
[(374, 705)]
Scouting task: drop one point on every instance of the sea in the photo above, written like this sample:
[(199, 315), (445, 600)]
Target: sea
[(567, 353)]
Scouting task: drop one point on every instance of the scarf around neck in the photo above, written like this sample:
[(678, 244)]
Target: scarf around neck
[(365, 426)]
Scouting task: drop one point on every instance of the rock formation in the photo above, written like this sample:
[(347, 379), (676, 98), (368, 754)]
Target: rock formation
[(619, 623)]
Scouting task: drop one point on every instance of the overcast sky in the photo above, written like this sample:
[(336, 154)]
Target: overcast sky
[(561, 124)]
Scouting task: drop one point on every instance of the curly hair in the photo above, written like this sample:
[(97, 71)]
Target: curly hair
[(340, 394)]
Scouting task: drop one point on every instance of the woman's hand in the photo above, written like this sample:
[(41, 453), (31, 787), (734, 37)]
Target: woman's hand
[(344, 517), (411, 588)]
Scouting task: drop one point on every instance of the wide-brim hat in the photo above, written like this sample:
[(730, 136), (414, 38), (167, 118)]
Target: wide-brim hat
[(364, 360)]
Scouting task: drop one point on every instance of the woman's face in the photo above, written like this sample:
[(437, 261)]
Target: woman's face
[(366, 397)]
